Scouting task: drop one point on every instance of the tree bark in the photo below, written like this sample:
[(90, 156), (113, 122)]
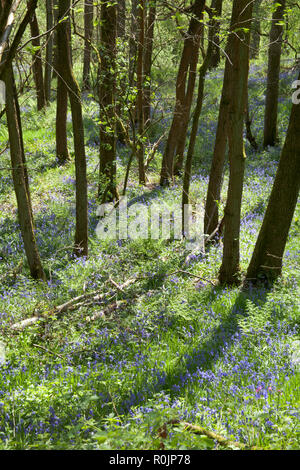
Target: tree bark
[(37, 65), (256, 30), (184, 91), (215, 38), (64, 57), (266, 261), (133, 41), (140, 90), (121, 25), (274, 55), (238, 78), (49, 51), (190, 153), (107, 191), (20, 179), (88, 33), (149, 36)]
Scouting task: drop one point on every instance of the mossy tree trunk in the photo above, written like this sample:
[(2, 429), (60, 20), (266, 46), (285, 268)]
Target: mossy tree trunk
[(67, 75), (140, 90), (266, 261), (255, 30), (197, 112), (121, 25), (88, 34), (238, 69), (274, 55), (149, 37), (20, 178), (49, 51), (215, 38), (37, 65), (107, 87), (184, 92), (133, 41)]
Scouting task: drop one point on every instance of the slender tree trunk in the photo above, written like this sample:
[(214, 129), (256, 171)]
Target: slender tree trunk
[(140, 90), (64, 56), (20, 179), (275, 45), (54, 51), (211, 214), (184, 90), (256, 30), (88, 34), (215, 38), (148, 58), (238, 78), (37, 64), (190, 153), (133, 40), (181, 138), (62, 152), (49, 51), (248, 121), (266, 261), (107, 191), (121, 26)]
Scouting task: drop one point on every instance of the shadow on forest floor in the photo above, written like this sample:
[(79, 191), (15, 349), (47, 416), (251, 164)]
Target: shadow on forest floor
[(204, 356)]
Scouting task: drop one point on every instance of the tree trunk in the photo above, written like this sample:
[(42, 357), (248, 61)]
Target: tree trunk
[(215, 38), (271, 108), (62, 152), (54, 51), (37, 64), (266, 261), (148, 59), (255, 31), (64, 57), (184, 91), (211, 214), (88, 33), (19, 174), (181, 138), (121, 19), (49, 51), (107, 191), (140, 90), (202, 73), (238, 78), (133, 40)]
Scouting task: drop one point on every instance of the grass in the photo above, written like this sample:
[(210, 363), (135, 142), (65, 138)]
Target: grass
[(178, 349)]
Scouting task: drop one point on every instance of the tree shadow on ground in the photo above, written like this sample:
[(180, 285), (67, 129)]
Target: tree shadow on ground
[(204, 356)]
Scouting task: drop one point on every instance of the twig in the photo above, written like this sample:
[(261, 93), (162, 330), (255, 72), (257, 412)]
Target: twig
[(48, 351), (192, 275)]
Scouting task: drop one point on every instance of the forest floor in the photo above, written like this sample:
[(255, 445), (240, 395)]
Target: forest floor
[(127, 369)]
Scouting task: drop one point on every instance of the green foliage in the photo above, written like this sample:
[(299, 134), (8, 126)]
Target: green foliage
[(178, 348)]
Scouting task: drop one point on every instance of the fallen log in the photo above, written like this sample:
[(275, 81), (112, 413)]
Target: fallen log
[(73, 304), (216, 437)]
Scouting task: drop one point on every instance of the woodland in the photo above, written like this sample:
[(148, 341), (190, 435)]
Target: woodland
[(149, 225)]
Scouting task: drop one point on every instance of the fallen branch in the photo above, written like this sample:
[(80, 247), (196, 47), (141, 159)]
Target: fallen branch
[(48, 351), (216, 437), (206, 432), (192, 275), (217, 232), (107, 311), (73, 304)]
